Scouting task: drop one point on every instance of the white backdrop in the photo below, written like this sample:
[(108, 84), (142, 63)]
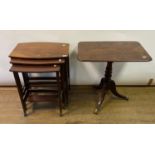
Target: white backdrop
[(83, 73)]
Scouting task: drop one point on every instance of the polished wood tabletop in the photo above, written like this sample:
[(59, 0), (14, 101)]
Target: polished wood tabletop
[(40, 50), (36, 61), (121, 51), (34, 69)]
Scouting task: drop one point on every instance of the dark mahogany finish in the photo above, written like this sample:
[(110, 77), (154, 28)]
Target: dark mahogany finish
[(40, 50), (36, 62), (125, 51), (122, 51), (40, 58)]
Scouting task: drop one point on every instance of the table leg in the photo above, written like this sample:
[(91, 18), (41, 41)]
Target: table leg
[(68, 71), (59, 92), (19, 87), (105, 85), (101, 99), (64, 85), (114, 91), (26, 80)]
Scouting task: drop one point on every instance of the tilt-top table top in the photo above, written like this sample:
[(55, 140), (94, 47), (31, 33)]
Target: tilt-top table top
[(121, 51)]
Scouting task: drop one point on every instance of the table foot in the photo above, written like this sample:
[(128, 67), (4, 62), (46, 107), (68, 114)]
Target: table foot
[(114, 91), (101, 99), (96, 111)]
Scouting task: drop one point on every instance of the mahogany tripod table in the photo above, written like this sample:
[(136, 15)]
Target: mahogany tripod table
[(111, 52)]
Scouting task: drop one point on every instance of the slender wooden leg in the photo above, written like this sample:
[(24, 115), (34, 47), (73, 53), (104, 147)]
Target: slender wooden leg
[(104, 85), (114, 91), (101, 99), (64, 86), (68, 71), (26, 85), (59, 92), (19, 87), (65, 73), (26, 79), (66, 79)]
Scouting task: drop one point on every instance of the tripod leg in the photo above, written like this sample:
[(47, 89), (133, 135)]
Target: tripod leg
[(101, 99), (114, 91)]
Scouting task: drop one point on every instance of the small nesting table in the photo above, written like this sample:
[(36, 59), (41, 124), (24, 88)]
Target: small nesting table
[(123, 51), (41, 57)]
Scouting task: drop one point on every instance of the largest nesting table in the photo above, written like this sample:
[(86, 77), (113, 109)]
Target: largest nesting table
[(111, 52)]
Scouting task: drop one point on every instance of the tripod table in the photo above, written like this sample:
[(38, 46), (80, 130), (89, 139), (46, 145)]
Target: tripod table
[(122, 51)]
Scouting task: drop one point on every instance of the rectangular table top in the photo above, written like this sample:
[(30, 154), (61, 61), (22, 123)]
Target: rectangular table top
[(34, 69), (121, 51), (36, 61), (40, 50)]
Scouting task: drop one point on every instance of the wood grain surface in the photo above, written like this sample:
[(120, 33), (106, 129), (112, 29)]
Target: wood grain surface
[(112, 51), (40, 50)]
